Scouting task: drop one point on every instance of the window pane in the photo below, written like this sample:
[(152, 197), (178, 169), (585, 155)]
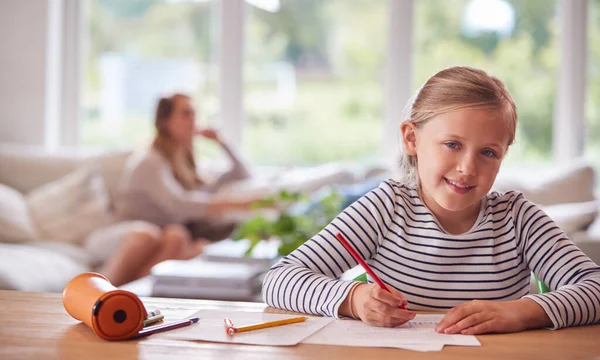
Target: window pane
[(593, 87), (516, 41), (313, 81), (138, 51)]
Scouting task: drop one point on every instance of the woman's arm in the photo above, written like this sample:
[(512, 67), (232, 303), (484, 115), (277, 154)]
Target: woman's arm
[(306, 280), (238, 170), (155, 180)]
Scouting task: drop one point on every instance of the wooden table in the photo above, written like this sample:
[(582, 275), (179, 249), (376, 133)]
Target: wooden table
[(36, 326)]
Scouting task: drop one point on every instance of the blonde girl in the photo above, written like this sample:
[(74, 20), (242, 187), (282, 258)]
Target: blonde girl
[(439, 238)]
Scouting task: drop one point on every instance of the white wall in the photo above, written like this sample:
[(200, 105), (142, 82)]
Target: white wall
[(23, 61)]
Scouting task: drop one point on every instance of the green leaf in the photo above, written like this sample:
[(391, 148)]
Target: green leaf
[(291, 230)]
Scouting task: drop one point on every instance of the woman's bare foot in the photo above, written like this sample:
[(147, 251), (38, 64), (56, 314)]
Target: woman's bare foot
[(196, 247)]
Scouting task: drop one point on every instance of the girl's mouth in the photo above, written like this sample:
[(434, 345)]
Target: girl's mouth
[(458, 187)]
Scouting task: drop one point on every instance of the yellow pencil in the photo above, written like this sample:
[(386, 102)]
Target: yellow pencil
[(231, 329)]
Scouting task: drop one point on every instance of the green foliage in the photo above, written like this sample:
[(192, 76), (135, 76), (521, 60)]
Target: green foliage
[(293, 226), (526, 61), (336, 112)]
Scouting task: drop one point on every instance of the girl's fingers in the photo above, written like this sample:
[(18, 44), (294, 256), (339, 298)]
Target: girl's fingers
[(387, 320), (455, 315), (395, 298), (382, 308), (390, 314), (481, 328), (467, 322)]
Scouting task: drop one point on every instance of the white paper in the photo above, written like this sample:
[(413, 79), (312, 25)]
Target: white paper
[(418, 334), (211, 327)]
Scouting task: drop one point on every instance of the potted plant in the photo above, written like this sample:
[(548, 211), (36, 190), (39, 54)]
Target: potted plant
[(297, 223)]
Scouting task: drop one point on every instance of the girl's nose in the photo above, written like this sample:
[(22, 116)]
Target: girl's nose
[(467, 165)]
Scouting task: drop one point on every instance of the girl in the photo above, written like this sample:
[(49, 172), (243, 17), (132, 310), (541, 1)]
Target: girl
[(164, 210), (439, 238)]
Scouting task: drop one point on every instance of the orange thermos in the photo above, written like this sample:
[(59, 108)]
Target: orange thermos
[(113, 314)]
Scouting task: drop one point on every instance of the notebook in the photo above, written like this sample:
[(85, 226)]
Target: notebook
[(264, 253), (207, 279)]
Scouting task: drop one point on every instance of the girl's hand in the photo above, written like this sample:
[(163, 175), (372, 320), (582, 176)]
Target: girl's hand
[(377, 307), (483, 316), (208, 133)]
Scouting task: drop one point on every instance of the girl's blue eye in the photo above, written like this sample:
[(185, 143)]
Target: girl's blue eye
[(488, 153), (452, 145)]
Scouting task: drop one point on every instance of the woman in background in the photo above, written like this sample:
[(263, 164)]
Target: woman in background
[(164, 210)]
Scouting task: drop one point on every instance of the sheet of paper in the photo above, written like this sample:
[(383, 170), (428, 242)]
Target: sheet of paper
[(211, 328), (418, 334)]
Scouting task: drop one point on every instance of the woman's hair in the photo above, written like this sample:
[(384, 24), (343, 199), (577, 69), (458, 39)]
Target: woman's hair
[(183, 165), (451, 89)]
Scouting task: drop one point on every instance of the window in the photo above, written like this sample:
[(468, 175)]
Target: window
[(137, 51), (592, 149), (313, 86), (514, 40), (313, 81)]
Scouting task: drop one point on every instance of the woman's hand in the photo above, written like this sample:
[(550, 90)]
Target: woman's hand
[(377, 307), (208, 133), (483, 316)]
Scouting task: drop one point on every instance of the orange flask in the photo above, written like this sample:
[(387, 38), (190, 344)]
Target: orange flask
[(113, 314)]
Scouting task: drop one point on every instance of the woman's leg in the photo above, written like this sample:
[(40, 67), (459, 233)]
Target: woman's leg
[(131, 260), (175, 242), (178, 244), (145, 247)]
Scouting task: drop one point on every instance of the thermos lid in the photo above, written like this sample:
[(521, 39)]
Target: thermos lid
[(118, 315)]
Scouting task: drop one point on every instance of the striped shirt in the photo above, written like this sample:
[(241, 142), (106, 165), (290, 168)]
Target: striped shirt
[(408, 248)]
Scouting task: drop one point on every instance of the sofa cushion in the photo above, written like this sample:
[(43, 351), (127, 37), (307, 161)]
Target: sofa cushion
[(15, 222), (594, 229), (573, 217), (570, 183), (300, 179), (111, 166), (46, 267), (69, 209), (26, 167)]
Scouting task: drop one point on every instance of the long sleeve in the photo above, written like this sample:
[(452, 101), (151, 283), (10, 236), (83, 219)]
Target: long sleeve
[(306, 280), (150, 192), (156, 181), (573, 278)]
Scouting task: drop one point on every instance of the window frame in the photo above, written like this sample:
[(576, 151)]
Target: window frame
[(569, 117)]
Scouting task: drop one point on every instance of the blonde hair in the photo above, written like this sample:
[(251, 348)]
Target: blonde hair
[(451, 89), (183, 165)]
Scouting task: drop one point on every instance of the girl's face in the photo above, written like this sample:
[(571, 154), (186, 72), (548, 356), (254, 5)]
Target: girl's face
[(182, 122), (459, 154)]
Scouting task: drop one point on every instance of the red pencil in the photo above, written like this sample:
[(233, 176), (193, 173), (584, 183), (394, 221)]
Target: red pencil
[(363, 263)]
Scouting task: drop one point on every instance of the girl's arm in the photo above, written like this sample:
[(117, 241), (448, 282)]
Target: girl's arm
[(306, 280), (573, 278)]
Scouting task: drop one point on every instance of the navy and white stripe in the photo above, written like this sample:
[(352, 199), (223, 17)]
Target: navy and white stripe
[(409, 250)]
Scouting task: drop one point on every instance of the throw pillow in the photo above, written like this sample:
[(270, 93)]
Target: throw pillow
[(573, 217), (15, 222), (571, 183), (69, 209)]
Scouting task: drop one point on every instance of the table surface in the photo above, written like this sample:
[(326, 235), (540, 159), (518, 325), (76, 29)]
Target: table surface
[(36, 326)]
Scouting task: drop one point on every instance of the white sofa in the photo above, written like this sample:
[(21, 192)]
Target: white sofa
[(36, 263), (41, 264), (39, 258)]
